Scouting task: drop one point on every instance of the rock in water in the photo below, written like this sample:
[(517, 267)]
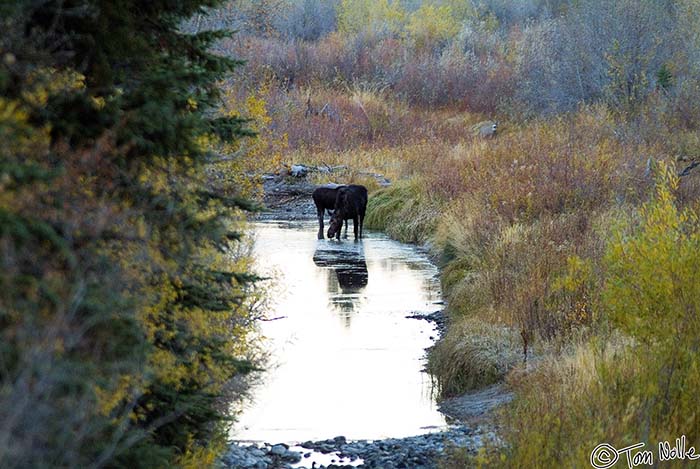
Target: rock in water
[(278, 450)]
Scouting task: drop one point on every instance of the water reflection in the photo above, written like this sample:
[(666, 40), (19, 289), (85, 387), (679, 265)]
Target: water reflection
[(348, 264), (360, 376)]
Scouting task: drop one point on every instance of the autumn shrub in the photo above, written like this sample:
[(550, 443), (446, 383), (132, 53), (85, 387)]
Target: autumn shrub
[(447, 76), (562, 410), (637, 383), (431, 26), (241, 163), (651, 294), (387, 16), (524, 279), (521, 231), (557, 166), (512, 232), (524, 60), (522, 247), (360, 119), (307, 20)]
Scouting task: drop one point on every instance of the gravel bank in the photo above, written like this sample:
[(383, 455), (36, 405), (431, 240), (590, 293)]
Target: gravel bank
[(415, 452)]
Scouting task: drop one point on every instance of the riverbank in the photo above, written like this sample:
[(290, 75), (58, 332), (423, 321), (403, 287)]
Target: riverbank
[(289, 198)]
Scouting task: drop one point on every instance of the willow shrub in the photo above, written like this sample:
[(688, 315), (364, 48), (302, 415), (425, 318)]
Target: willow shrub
[(653, 295), (638, 382)]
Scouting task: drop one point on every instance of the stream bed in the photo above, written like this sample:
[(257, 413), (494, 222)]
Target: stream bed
[(346, 368)]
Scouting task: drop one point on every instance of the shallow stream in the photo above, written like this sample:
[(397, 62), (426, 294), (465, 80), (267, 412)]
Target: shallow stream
[(344, 359)]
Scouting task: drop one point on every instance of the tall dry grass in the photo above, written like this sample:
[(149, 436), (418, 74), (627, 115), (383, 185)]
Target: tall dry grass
[(519, 224)]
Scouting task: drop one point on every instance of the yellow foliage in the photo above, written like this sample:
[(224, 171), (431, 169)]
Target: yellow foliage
[(197, 457), (431, 25), (44, 82), (638, 384), (355, 16), (573, 291), (462, 10), (166, 368), (655, 274), (108, 399), (248, 159), (18, 136)]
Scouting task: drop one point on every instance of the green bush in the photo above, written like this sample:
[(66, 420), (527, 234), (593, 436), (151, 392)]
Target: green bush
[(652, 294)]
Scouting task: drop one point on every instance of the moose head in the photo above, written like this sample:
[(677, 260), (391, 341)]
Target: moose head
[(336, 224)]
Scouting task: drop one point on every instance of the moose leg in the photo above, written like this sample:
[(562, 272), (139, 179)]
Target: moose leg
[(346, 229), (354, 226), (320, 212), (362, 222)]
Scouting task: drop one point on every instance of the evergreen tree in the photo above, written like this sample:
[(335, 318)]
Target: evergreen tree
[(122, 314)]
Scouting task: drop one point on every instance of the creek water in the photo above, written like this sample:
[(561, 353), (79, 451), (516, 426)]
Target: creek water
[(344, 359)]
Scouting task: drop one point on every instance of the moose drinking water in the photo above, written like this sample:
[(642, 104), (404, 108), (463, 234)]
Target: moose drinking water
[(324, 199), (350, 202)]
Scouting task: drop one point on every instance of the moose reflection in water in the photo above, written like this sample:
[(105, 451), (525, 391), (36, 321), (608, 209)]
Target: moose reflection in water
[(350, 268)]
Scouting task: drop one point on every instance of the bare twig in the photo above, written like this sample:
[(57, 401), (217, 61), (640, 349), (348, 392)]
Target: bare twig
[(689, 168)]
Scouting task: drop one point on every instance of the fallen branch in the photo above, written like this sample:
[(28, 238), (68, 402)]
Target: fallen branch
[(689, 168), (273, 319)]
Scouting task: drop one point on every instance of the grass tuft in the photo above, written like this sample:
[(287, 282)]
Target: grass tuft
[(473, 354), (403, 211)]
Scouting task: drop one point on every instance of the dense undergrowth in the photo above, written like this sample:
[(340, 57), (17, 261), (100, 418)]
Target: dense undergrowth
[(126, 299), (571, 272)]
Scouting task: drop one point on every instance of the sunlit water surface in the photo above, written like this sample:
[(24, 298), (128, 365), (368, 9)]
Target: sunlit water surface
[(345, 360)]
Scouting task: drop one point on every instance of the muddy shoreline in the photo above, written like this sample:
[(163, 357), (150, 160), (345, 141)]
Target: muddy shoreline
[(287, 198)]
